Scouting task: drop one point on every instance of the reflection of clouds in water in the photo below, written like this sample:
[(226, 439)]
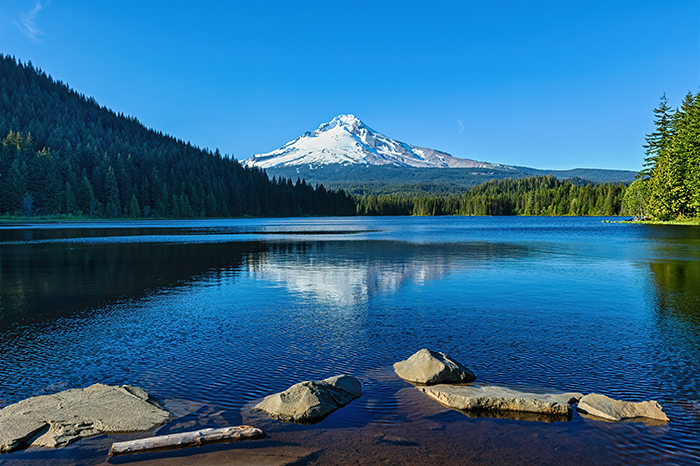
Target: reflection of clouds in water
[(338, 282)]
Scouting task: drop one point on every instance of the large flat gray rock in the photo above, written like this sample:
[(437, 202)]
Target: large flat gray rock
[(615, 410), (311, 401), (430, 367), (62, 418), (490, 398)]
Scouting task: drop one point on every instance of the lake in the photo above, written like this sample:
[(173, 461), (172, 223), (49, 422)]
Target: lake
[(215, 314)]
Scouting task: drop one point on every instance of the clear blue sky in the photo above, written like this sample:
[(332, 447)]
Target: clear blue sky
[(552, 84)]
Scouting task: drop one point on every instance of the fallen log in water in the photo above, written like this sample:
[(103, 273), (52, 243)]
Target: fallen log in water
[(187, 439)]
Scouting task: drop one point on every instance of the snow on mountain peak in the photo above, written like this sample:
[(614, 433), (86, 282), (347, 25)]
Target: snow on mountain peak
[(346, 140), (349, 119)]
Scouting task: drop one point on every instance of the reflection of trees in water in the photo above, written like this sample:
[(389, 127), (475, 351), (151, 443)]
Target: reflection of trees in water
[(677, 285), (676, 277), (39, 280), (49, 279)]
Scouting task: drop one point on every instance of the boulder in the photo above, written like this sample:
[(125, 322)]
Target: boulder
[(430, 367), (615, 410), (311, 401), (490, 398), (62, 418)]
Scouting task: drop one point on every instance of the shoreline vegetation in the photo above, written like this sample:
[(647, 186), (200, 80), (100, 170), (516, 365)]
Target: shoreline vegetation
[(64, 154), (686, 221), (72, 219), (668, 188), (4, 221), (538, 196), (533, 196), (63, 157)]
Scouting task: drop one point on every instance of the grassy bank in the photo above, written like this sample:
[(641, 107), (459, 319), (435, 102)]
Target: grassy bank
[(689, 221)]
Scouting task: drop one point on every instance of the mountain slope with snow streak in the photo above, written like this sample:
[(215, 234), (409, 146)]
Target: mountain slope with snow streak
[(346, 140)]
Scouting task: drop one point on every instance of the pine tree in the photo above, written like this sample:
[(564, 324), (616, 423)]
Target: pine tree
[(659, 139), (672, 162), (71, 204), (635, 198), (659, 163), (27, 204), (16, 187), (134, 210), (112, 202), (86, 197), (83, 140), (687, 147)]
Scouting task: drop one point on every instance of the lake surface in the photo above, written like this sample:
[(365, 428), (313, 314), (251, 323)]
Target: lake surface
[(223, 312)]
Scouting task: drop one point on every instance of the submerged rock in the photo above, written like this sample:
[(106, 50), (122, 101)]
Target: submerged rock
[(62, 418), (311, 401), (430, 367), (518, 416), (490, 398), (615, 410)]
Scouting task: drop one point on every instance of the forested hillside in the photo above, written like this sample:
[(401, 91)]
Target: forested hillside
[(380, 180), (669, 185), (538, 195), (64, 154)]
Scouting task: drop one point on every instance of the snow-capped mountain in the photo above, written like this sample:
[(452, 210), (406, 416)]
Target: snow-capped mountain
[(346, 140)]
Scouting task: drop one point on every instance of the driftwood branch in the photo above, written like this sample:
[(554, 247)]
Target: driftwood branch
[(187, 439)]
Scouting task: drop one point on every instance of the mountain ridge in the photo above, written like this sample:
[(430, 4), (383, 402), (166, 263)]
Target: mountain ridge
[(345, 153), (346, 140)]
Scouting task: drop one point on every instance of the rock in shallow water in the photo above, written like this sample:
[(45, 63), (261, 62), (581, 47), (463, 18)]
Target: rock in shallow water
[(62, 418), (311, 401), (430, 367), (615, 410), (489, 398)]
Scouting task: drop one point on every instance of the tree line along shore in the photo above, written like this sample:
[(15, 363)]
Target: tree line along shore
[(537, 195), (668, 188), (35, 184), (64, 156)]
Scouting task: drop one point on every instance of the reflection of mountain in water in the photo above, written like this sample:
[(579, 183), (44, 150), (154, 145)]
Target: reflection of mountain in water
[(43, 276), (346, 283), (350, 273)]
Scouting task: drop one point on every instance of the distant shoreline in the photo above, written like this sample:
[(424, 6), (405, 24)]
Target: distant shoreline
[(691, 222), (4, 221)]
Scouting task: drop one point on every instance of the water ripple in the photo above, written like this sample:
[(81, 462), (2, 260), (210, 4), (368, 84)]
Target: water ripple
[(535, 304)]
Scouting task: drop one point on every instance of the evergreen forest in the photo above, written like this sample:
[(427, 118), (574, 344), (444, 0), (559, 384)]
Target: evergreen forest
[(537, 195), (668, 188), (62, 154)]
